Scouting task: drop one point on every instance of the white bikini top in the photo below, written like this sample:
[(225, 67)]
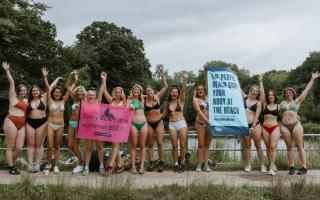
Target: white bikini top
[(75, 106), (54, 107)]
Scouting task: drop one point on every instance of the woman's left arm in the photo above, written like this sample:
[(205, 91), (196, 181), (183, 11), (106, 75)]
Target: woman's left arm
[(305, 92)]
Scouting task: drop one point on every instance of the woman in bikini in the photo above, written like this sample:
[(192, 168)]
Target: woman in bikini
[(270, 127), (79, 94), (118, 98), (253, 109), (200, 104), (14, 124), (56, 106), (35, 127), (291, 128), (178, 128), (91, 97), (155, 123), (139, 128)]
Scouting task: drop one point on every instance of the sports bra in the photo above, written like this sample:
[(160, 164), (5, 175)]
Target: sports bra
[(274, 112), (292, 107), (203, 105), (178, 108), (253, 107), (41, 106), (54, 107), (148, 108), (136, 105)]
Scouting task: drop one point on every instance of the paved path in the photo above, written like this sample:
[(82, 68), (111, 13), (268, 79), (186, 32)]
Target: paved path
[(151, 179)]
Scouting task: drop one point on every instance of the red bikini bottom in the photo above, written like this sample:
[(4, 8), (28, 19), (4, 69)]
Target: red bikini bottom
[(270, 129)]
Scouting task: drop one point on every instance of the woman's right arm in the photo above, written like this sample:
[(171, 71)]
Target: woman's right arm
[(164, 87), (184, 87), (262, 94), (12, 92), (45, 73), (105, 92)]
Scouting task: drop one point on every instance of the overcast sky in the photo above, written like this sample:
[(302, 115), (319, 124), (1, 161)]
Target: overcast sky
[(185, 34)]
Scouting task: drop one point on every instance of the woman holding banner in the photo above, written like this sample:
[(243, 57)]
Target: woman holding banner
[(270, 127), (155, 123), (177, 124), (291, 127), (91, 97), (200, 104), (56, 106), (139, 128), (253, 109), (14, 124), (79, 94), (118, 98)]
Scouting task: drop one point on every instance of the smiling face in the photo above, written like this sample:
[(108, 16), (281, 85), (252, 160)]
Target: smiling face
[(200, 91), (288, 94), (149, 92), (80, 93), (271, 98), (136, 92), (117, 94), (254, 91), (91, 95), (174, 93), (35, 92), (22, 92), (57, 94)]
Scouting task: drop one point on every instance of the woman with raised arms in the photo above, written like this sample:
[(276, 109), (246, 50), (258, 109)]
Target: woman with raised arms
[(253, 107), (91, 97), (178, 128), (56, 106), (14, 123), (270, 127), (291, 127), (118, 98), (139, 128), (155, 123), (79, 94)]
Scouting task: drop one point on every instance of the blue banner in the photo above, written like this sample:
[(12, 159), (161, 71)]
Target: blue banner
[(227, 115)]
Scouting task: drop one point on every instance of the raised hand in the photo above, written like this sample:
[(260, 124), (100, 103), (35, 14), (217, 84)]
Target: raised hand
[(44, 72), (161, 72), (185, 74), (5, 66), (315, 75), (104, 75), (260, 77)]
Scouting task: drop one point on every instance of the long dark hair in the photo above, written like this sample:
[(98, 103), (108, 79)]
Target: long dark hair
[(30, 97), (267, 96), (53, 90), (173, 87)]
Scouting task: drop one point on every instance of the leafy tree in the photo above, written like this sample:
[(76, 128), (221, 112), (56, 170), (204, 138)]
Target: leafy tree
[(107, 47)]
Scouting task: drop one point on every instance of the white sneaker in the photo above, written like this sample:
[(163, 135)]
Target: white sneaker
[(247, 168), (275, 168), (263, 169), (272, 171), (56, 169), (47, 169), (198, 169), (31, 168), (78, 169), (36, 168), (207, 168)]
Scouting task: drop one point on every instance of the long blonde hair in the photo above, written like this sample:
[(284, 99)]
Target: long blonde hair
[(123, 96), (75, 90), (141, 93)]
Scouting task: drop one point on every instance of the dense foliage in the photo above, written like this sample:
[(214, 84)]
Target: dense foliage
[(29, 42)]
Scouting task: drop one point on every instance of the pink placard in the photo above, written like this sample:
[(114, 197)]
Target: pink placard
[(104, 122)]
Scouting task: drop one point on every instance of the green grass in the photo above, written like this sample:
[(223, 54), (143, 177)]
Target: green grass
[(26, 189)]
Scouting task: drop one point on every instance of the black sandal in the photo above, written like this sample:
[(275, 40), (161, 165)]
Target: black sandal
[(14, 171)]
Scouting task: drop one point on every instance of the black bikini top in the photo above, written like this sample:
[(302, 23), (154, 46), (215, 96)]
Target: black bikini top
[(148, 108), (266, 111), (41, 106), (253, 107), (178, 108)]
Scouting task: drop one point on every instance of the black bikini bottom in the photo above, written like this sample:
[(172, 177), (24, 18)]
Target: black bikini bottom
[(36, 123), (154, 125)]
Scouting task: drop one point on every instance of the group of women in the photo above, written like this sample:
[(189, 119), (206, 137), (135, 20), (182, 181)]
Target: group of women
[(38, 115)]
